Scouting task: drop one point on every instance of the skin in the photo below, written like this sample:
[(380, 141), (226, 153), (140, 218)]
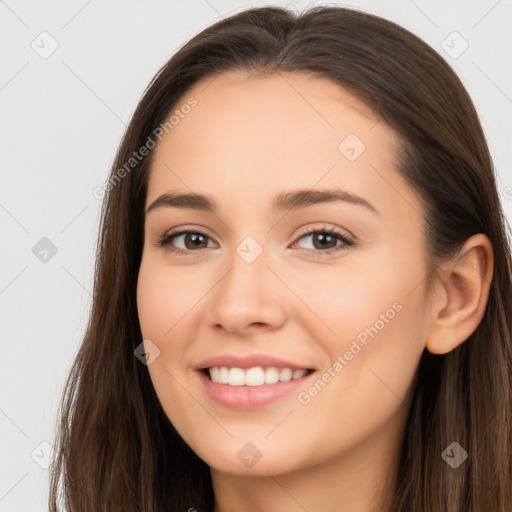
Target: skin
[(248, 139)]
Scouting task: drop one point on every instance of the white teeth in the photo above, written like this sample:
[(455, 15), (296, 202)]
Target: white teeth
[(223, 375), (236, 377), (214, 372), (271, 375), (255, 376), (285, 375), (297, 374)]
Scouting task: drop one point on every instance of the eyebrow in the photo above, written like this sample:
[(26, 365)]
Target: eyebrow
[(284, 201)]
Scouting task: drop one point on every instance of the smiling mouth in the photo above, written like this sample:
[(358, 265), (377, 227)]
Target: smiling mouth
[(255, 376)]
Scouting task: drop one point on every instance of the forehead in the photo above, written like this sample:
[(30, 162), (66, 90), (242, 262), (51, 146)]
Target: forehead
[(277, 105), (248, 135)]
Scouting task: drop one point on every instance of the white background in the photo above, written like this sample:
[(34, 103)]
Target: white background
[(62, 120)]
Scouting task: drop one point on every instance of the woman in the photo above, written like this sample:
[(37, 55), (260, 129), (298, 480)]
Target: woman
[(302, 287)]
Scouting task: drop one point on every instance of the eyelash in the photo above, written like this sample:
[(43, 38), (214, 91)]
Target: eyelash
[(348, 242)]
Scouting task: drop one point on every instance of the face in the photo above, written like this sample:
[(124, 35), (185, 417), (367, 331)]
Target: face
[(288, 325)]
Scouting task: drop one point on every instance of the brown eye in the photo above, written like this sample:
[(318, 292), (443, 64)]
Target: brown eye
[(185, 241), (324, 241), (194, 241)]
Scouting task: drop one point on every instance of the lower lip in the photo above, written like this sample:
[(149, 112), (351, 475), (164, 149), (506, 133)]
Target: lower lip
[(250, 397)]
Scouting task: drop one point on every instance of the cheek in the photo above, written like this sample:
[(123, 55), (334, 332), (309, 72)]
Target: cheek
[(154, 306), (370, 321), (162, 304), (372, 373), (163, 298), (379, 323), (338, 303)]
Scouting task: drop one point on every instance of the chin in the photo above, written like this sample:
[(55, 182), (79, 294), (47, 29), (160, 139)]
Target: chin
[(245, 458)]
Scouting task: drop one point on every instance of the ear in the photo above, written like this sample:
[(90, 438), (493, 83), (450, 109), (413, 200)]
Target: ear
[(459, 306)]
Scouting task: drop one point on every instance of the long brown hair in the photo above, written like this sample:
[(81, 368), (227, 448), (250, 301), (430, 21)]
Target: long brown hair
[(117, 450)]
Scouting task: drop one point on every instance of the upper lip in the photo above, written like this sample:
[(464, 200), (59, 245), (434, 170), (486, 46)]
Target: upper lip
[(248, 361)]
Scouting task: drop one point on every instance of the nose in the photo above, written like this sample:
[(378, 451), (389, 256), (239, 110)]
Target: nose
[(249, 297)]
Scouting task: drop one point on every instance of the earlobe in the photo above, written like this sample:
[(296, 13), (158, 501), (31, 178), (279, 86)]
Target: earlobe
[(466, 283)]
